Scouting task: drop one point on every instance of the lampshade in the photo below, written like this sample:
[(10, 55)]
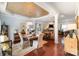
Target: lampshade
[(3, 38)]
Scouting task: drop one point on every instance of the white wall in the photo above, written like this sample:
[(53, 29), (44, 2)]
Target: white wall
[(65, 21), (13, 21), (0, 23), (3, 6), (0, 26)]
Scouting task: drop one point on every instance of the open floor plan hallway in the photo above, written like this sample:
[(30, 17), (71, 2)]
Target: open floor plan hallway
[(49, 49)]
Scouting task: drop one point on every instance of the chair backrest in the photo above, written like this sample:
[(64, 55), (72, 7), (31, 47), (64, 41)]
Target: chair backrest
[(21, 38), (40, 39)]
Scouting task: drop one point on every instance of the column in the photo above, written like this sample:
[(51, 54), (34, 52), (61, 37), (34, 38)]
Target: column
[(56, 28), (77, 20)]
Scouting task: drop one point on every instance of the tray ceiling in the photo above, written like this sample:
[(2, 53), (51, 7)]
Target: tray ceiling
[(26, 9)]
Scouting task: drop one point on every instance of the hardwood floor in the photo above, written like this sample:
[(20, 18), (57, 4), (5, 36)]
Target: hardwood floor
[(49, 49)]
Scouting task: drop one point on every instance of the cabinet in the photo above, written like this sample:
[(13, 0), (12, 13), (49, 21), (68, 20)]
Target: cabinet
[(71, 45)]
